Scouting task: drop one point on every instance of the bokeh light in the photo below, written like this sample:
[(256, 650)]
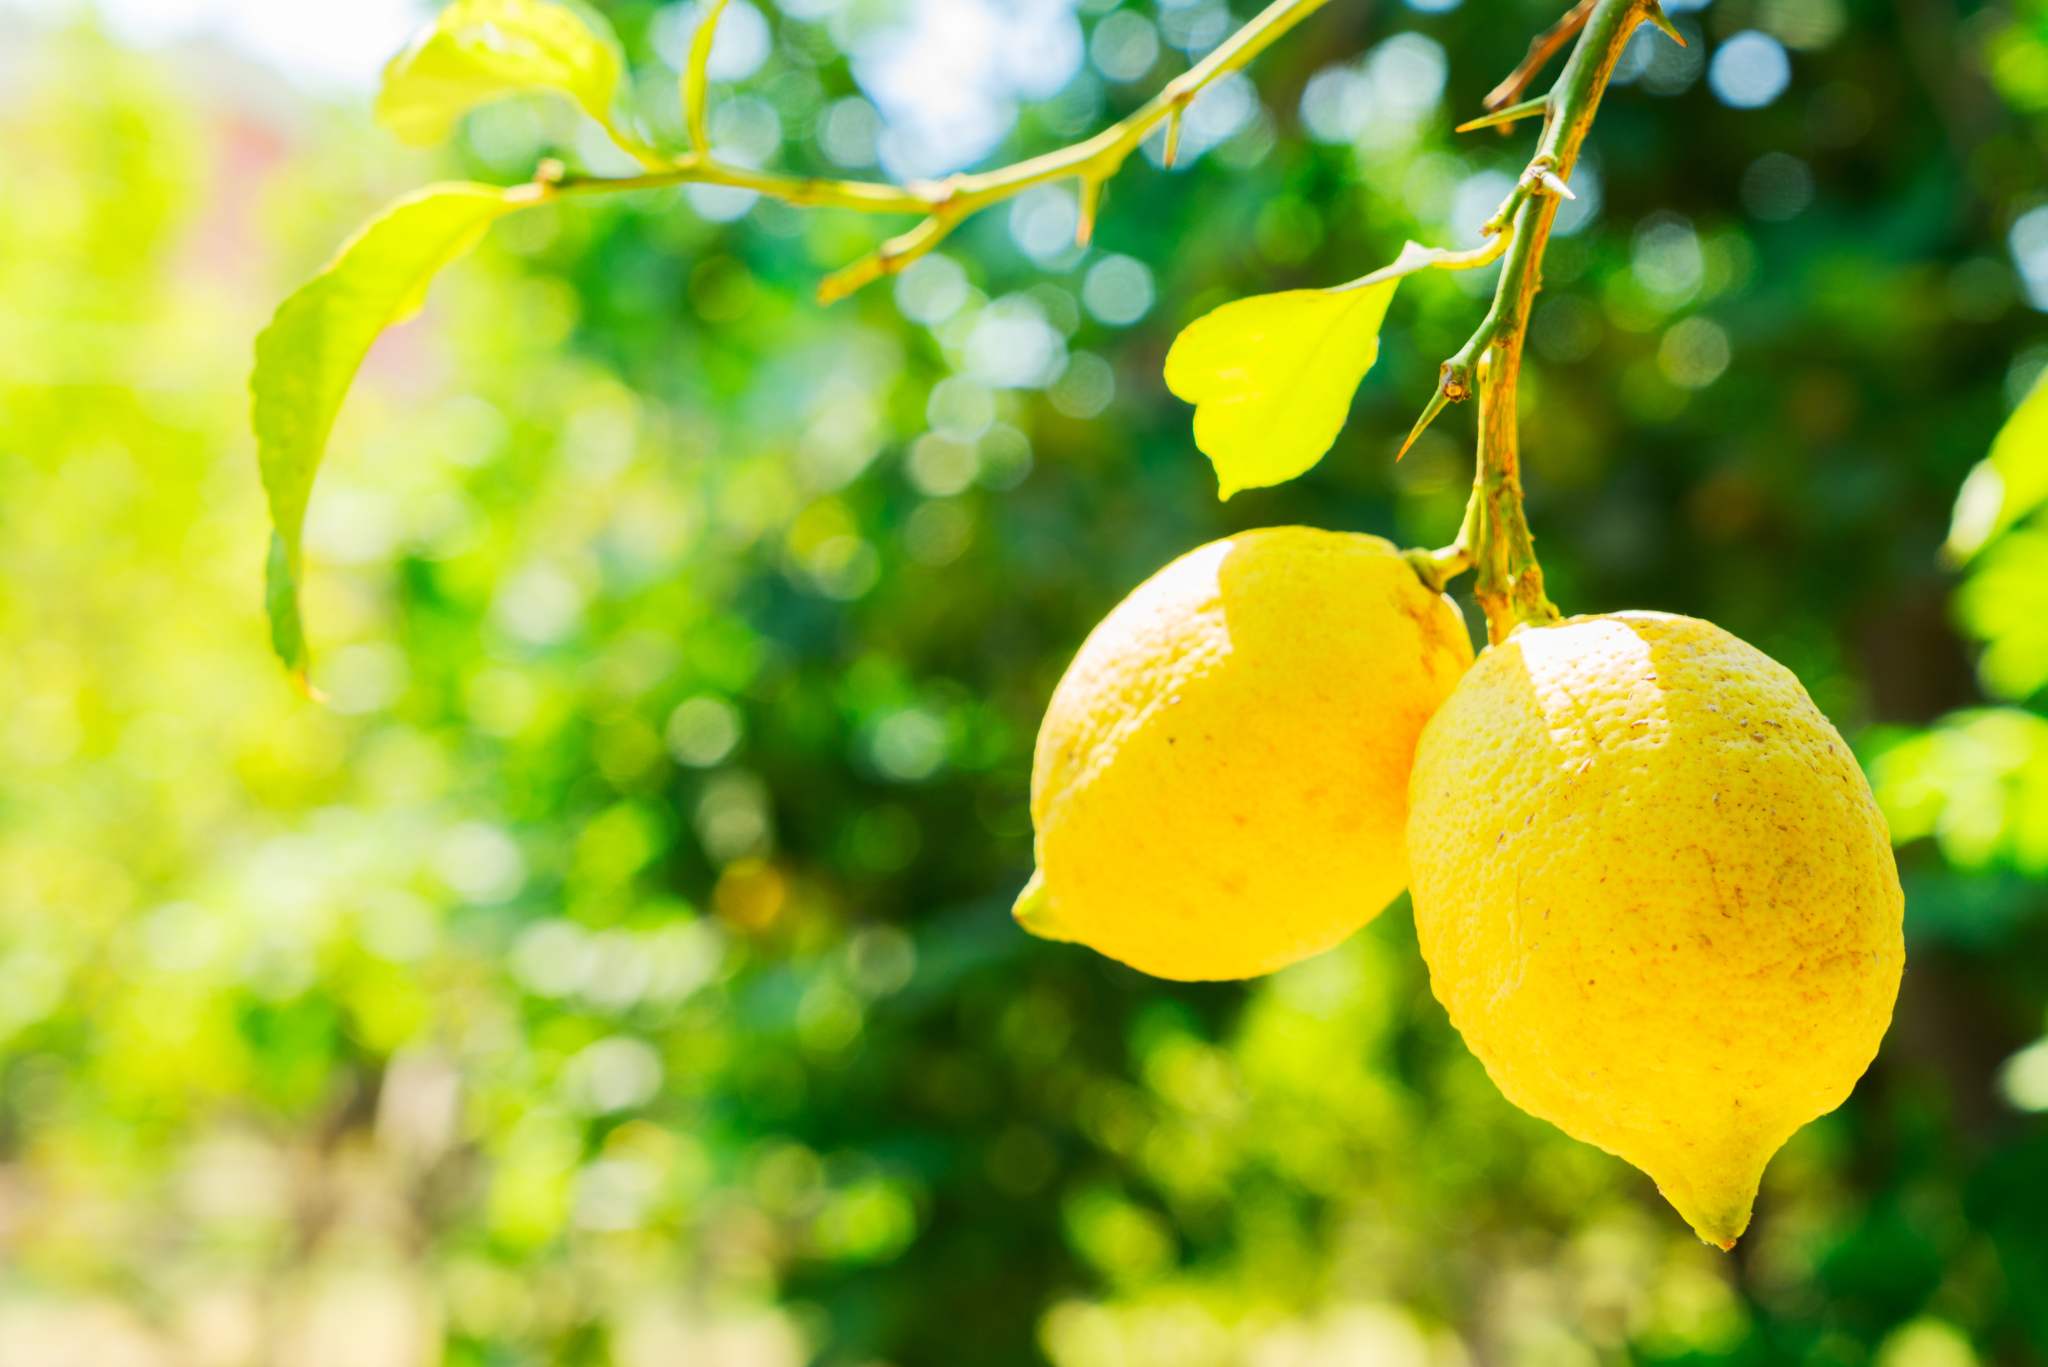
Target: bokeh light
[(1749, 70), (618, 966)]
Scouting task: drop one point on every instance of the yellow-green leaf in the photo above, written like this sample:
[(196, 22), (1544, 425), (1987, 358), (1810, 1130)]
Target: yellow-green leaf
[(478, 50), (1271, 377), (2007, 484), (308, 355)]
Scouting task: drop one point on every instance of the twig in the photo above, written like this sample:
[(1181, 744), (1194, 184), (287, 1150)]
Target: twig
[(697, 77), (1542, 48), (1495, 540), (944, 204)]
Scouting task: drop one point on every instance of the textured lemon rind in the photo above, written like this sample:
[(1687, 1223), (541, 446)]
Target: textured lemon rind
[(1219, 787), (1656, 897)]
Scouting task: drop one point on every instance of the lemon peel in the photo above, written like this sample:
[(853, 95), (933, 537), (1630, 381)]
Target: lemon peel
[(1220, 783), (1655, 896)]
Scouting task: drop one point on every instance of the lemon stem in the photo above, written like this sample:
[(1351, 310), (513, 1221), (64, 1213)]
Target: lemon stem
[(1494, 539)]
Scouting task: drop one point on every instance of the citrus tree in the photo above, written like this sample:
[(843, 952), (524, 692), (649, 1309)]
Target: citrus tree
[(618, 968), (1640, 855)]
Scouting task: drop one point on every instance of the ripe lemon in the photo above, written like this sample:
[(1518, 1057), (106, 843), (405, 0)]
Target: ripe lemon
[(1221, 780), (1655, 896)]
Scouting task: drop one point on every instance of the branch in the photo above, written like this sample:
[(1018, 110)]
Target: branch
[(1495, 539), (944, 204), (1542, 48)]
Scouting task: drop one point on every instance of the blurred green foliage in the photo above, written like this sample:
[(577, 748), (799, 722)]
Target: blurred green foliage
[(618, 970)]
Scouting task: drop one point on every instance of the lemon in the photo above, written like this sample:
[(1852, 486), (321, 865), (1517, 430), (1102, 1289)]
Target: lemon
[(1221, 780), (1655, 896)]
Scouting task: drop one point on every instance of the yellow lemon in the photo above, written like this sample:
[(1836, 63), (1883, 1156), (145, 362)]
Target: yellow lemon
[(1655, 896), (1221, 780)]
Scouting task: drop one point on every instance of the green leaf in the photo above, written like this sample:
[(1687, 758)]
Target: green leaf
[(1977, 781), (1271, 377), (478, 50), (2004, 604), (2006, 485), (308, 355)]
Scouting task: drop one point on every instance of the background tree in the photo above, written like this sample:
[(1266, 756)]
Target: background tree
[(620, 965)]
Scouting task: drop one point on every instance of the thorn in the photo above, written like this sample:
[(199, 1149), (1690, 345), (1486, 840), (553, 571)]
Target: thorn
[(1657, 16), (1090, 197), (1451, 387), (1512, 114), (1549, 180), (1172, 137), (1437, 403)]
